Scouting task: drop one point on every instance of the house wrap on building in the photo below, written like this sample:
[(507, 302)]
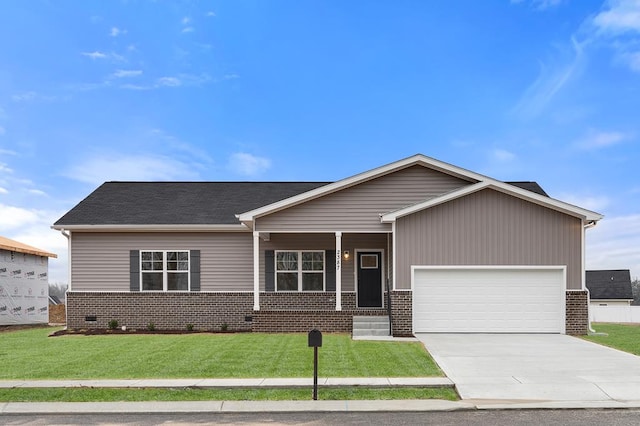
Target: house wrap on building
[(24, 283)]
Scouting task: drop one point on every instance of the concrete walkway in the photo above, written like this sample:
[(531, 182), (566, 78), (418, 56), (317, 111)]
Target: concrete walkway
[(8, 408), (538, 368)]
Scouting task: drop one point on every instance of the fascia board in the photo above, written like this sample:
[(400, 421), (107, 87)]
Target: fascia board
[(27, 250), (418, 159), (153, 228)]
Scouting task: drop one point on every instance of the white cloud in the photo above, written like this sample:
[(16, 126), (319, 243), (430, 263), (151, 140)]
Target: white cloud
[(37, 192), (5, 169), (135, 87), (590, 202), (7, 152), (168, 81), (503, 155), (540, 4), (3, 191), (95, 55), (613, 244), (597, 140), (126, 73), (186, 20), (618, 27), (188, 29), (633, 59), (210, 14), (115, 32), (131, 168), (247, 164), (622, 16), (12, 217), (102, 55), (24, 97), (550, 81)]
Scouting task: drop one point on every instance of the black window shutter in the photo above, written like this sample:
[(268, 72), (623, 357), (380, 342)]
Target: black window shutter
[(330, 270), (269, 271), (134, 270), (195, 270)]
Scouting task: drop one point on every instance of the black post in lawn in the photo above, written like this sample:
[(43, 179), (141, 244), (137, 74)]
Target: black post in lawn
[(315, 341)]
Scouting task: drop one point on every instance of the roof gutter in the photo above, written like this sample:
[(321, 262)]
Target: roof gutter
[(154, 228)]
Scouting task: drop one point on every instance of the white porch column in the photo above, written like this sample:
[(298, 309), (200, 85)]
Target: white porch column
[(338, 271), (256, 271)]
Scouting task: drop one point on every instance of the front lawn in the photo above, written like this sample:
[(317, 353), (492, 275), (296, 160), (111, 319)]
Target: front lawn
[(625, 337), (106, 394), (30, 355)]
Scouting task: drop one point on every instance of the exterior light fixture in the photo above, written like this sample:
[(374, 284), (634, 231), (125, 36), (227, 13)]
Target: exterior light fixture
[(346, 254)]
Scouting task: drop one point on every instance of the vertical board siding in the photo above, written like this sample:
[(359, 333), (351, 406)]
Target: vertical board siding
[(489, 228), (324, 242), (100, 261), (358, 208)]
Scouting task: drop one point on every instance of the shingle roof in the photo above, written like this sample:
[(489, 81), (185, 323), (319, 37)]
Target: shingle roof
[(609, 284), (187, 203), (178, 203), (530, 186)]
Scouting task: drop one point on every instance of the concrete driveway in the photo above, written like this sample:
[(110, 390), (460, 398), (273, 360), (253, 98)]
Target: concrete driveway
[(534, 367)]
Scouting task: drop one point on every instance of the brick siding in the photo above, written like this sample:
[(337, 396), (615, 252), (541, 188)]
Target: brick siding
[(577, 319), (402, 313), (167, 311)]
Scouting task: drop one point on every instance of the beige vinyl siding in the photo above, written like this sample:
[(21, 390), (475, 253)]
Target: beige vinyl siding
[(100, 261), (350, 242), (488, 228), (358, 209)]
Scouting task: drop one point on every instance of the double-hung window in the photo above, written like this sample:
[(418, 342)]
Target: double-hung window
[(299, 270), (164, 270)]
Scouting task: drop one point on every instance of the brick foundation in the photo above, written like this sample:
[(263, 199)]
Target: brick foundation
[(279, 312), (167, 311), (577, 308)]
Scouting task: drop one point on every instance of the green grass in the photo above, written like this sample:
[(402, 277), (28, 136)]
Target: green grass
[(30, 354), (625, 337), (96, 394)]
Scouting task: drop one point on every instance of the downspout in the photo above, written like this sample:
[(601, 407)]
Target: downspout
[(389, 289), (584, 273), (67, 235)]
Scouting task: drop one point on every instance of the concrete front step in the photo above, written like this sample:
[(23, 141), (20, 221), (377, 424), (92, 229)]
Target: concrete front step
[(370, 326), (367, 332)]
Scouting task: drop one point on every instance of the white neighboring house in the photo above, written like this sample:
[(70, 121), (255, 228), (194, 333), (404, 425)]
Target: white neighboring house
[(24, 283), (609, 287)]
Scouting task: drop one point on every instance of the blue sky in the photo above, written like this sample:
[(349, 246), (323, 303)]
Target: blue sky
[(544, 90)]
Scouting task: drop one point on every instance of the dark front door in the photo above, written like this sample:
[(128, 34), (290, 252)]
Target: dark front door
[(369, 279)]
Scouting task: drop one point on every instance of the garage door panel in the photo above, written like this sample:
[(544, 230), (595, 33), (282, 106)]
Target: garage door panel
[(507, 299)]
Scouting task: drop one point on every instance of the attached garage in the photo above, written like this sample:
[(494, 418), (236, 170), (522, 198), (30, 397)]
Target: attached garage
[(492, 299)]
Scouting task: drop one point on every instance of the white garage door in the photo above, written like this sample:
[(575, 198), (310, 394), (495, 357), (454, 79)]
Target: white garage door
[(488, 300)]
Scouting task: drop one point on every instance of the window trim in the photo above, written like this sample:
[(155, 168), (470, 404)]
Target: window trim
[(300, 271), (165, 271)]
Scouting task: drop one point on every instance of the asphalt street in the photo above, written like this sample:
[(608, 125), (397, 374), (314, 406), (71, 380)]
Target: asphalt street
[(457, 418)]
